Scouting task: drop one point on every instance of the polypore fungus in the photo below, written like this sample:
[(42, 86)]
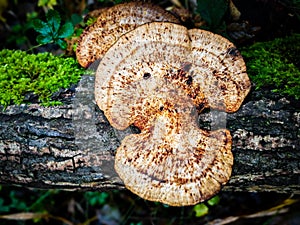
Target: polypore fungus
[(157, 77), (111, 24)]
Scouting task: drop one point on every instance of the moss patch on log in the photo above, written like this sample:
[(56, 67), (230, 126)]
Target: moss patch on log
[(275, 64), (41, 75)]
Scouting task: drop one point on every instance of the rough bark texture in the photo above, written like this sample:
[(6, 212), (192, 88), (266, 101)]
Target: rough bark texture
[(72, 146)]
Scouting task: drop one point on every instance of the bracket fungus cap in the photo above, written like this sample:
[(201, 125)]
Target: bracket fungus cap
[(172, 160), (157, 77), (114, 22), (206, 66)]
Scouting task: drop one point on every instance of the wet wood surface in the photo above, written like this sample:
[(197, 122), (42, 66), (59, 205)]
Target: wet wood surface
[(72, 146)]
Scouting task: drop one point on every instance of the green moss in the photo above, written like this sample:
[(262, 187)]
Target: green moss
[(41, 74), (275, 64)]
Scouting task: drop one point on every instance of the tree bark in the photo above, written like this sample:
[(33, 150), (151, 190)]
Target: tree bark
[(72, 146)]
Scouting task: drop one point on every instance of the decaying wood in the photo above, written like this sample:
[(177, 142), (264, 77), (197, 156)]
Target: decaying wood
[(72, 146)]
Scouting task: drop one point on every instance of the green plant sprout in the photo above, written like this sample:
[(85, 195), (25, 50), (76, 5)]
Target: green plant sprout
[(41, 74), (202, 209), (96, 198), (47, 3), (52, 31), (275, 64)]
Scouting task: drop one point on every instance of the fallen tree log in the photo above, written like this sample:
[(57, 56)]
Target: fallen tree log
[(72, 146)]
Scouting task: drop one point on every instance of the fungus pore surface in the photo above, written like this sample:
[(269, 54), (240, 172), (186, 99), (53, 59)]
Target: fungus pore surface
[(158, 77)]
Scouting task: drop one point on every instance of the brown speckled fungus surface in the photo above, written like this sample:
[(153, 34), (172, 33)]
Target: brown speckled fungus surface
[(112, 23), (157, 77)]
